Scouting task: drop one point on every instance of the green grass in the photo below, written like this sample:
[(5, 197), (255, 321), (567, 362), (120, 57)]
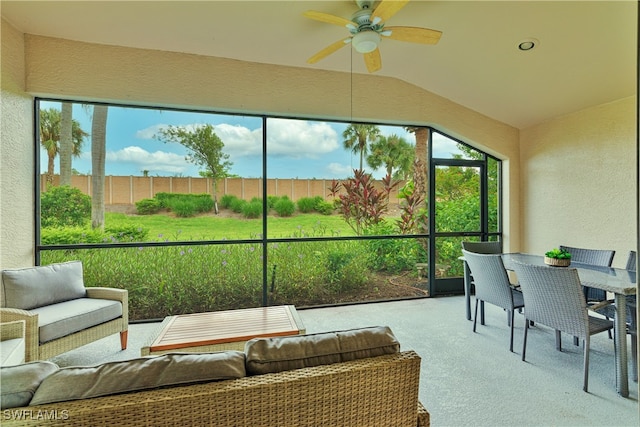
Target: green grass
[(210, 227)]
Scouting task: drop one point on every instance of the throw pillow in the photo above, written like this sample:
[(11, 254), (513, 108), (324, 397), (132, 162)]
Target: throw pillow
[(32, 287), (19, 383), (139, 374), (268, 355)]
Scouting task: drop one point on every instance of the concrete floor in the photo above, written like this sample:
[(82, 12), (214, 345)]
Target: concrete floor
[(466, 379)]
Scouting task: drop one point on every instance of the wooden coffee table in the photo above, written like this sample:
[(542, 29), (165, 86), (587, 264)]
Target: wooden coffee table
[(222, 330)]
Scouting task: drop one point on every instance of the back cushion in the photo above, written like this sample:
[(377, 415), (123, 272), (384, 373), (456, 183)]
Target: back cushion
[(19, 383), (32, 287), (139, 374), (266, 355)]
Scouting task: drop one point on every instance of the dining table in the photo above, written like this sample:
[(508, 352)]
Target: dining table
[(618, 281)]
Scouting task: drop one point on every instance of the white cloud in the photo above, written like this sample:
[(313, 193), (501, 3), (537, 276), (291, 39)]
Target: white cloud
[(299, 138), (159, 161), (287, 138), (338, 170)]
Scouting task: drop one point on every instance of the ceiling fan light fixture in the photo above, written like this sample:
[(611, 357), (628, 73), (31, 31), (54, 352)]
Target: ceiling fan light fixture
[(366, 41)]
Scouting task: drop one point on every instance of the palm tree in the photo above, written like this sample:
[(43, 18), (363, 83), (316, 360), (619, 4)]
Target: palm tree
[(98, 149), (66, 143), (394, 153), (50, 137), (357, 136), (420, 175)]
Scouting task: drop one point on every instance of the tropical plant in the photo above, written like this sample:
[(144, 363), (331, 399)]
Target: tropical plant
[(64, 206), (357, 138), (558, 254), (394, 154), (50, 137)]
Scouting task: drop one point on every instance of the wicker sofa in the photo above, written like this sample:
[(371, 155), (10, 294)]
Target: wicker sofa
[(60, 314), (380, 390)]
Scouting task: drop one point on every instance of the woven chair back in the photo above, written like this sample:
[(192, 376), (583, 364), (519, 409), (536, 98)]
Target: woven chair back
[(601, 257), (490, 278), (553, 297), (632, 261), (483, 247)]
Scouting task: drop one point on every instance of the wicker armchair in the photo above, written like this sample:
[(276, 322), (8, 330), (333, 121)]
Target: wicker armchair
[(12, 347), (492, 286), (553, 297), (478, 248), (38, 283)]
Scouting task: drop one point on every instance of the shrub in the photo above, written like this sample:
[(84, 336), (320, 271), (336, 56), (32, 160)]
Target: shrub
[(285, 206), (71, 235), (307, 204), (183, 208), (148, 206), (252, 209), (325, 208), (64, 207), (237, 205), (272, 200), (227, 200)]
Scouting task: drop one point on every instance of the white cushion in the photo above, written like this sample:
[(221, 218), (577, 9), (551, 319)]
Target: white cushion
[(12, 352)]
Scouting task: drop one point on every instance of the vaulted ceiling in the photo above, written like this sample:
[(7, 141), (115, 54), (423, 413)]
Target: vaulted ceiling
[(586, 53)]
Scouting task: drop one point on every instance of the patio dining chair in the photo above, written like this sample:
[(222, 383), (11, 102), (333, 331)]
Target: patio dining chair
[(553, 297), (608, 309), (478, 248), (492, 286), (599, 257)]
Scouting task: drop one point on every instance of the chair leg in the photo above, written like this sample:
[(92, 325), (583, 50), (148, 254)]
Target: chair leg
[(634, 356), (558, 341), (124, 335), (482, 312), (576, 342), (585, 387), (511, 313), (524, 342), (475, 316)]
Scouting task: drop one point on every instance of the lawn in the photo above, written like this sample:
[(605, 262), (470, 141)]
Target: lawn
[(226, 226)]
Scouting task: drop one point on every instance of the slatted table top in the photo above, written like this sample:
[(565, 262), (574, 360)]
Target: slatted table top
[(221, 327)]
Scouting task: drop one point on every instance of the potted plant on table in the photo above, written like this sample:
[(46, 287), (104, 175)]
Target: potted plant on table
[(557, 258)]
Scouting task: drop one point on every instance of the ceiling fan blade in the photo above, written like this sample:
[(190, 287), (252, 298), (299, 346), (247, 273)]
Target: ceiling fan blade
[(328, 50), (326, 17), (413, 34), (386, 9), (373, 61)]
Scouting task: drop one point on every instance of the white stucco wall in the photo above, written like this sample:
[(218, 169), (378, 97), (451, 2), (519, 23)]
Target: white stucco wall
[(16, 155), (579, 181)]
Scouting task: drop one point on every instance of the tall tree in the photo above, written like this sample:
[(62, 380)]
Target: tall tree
[(66, 143), (394, 153), (205, 149), (50, 137), (357, 137), (98, 154), (420, 174)]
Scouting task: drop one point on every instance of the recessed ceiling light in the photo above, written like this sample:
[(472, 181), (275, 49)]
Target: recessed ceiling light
[(528, 44)]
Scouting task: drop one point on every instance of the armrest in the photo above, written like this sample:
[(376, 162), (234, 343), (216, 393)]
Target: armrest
[(116, 294), (424, 419), (32, 332), (12, 330)]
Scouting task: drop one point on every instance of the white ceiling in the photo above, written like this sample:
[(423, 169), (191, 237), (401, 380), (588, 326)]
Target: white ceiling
[(586, 55)]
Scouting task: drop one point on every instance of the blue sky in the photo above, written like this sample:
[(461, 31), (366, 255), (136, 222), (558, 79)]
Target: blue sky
[(297, 148)]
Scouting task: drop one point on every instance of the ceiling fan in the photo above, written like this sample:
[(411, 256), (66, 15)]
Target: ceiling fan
[(367, 28)]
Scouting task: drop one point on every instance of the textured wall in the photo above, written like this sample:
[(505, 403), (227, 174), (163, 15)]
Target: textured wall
[(579, 181), (16, 155)]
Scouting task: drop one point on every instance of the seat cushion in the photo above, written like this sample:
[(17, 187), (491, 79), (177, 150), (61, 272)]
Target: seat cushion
[(18, 383), (139, 374), (12, 352), (65, 318), (265, 355), (33, 287)]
